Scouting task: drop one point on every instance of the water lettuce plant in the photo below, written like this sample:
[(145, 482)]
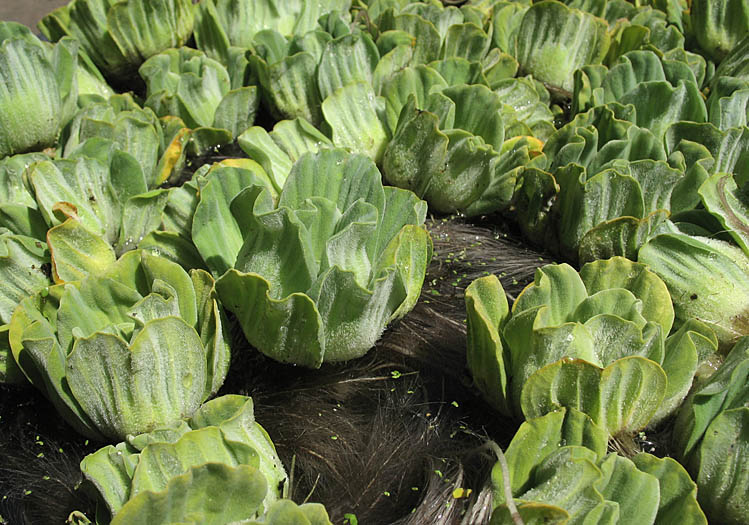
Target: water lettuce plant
[(711, 436), (221, 24), (595, 341), (128, 137), (713, 240), (137, 346), (450, 148), (217, 466), (185, 83), (554, 40), (121, 35), (323, 269), (40, 89), (559, 472)]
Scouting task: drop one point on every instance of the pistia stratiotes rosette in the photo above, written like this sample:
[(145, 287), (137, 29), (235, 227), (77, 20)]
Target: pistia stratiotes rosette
[(554, 40), (449, 147), (40, 89), (218, 466), (119, 35), (185, 83), (137, 346), (322, 271), (559, 472), (605, 185), (222, 24), (712, 241), (594, 341), (711, 437)]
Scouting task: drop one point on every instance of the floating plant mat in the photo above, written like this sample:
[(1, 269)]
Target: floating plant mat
[(292, 262), (408, 398)]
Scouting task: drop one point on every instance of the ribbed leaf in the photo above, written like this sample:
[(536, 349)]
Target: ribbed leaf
[(554, 40), (351, 113), (76, 252), (558, 286), (143, 28), (538, 437), (722, 197), (487, 309), (623, 397), (347, 59), (704, 277), (290, 86), (157, 380), (30, 101), (83, 189), (678, 493), (719, 25), (638, 279), (632, 389), (215, 232), (110, 469), (635, 492), (24, 270), (236, 111), (722, 479), (212, 493), (296, 334)]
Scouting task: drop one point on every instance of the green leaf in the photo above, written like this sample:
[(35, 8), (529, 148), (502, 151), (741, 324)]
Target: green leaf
[(538, 437), (722, 480), (351, 113), (702, 276), (488, 310), (347, 59), (686, 349), (410, 251), (24, 270), (558, 286), (212, 493), (635, 492), (420, 81), (719, 26), (141, 215), (678, 493), (169, 24), (215, 231), (117, 384), (622, 236), (723, 391), (585, 202), (236, 111), (722, 197), (296, 335), (289, 86), (659, 105), (76, 252), (31, 101), (565, 479), (110, 469), (554, 40), (623, 397), (79, 189), (618, 272), (286, 512)]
